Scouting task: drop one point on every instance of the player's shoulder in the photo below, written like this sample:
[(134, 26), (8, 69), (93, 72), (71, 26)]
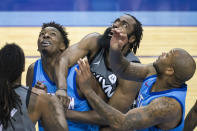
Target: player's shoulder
[(92, 36), (90, 42), (167, 103), (31, 67)]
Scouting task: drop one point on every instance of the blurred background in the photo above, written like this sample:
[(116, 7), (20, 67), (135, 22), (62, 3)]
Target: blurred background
[(167, 24)]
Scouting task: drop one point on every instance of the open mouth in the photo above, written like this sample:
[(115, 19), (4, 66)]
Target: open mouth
[(110, 34), (45, 43)]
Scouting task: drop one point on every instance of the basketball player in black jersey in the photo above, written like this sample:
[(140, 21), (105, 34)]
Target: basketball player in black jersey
[(119, 92)]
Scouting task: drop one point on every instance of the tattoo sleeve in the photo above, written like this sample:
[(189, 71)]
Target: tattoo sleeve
[(159, 111)]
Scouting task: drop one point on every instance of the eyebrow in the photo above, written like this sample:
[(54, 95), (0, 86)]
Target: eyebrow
[(118, 19)]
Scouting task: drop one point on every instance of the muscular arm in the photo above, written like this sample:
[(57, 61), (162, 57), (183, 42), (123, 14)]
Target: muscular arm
[(158, 112), (29, 75), (90, 117), (124, 95), (49, 110), (122, 98), (70, 56), (191, 119)]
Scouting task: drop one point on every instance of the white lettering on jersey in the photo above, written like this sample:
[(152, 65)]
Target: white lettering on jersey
[(107, 88), (71, 105)]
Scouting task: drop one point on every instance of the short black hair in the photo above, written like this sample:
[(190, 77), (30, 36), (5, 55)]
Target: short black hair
[(60, 28), (138, 32), (12, 61)]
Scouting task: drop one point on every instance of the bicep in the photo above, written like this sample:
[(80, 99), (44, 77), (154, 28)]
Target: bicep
[(158, 112), (29, 75), (85, 46)]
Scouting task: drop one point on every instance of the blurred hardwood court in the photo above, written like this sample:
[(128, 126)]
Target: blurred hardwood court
[(155, 41)]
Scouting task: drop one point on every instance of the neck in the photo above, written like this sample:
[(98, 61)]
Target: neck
[(164, 83), (17, 82), (48, 63)]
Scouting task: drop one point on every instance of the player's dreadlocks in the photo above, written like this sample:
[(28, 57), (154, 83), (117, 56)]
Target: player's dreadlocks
[(11, 67), (138, 35)]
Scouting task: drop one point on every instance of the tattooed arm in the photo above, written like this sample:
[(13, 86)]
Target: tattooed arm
[(121, 100), (163, 112), (90, 116), (122, 67), (191, 119), (48, 109)]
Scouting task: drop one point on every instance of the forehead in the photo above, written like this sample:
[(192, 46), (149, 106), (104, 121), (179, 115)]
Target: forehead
[(128, 19), (50, 29)]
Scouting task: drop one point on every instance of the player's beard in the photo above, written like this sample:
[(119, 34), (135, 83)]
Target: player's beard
[(105, 39)]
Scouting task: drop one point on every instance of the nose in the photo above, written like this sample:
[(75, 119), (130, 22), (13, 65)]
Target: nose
[(116, 25), (46, 35)]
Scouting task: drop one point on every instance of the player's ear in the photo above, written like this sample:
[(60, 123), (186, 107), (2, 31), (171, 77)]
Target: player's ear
[(62, 46), (132, 39)]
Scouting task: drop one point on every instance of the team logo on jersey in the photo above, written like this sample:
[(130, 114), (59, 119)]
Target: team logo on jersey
[(96, 63), (112, 78)]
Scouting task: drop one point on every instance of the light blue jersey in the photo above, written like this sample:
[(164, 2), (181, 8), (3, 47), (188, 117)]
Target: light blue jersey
[(146, 96), (76, 102)]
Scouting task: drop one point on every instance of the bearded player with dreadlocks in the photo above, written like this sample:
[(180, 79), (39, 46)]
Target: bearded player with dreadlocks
[(118, 92)]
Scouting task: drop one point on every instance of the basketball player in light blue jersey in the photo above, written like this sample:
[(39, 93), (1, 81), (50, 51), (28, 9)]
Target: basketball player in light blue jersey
[(161, 100), (52, 41)]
